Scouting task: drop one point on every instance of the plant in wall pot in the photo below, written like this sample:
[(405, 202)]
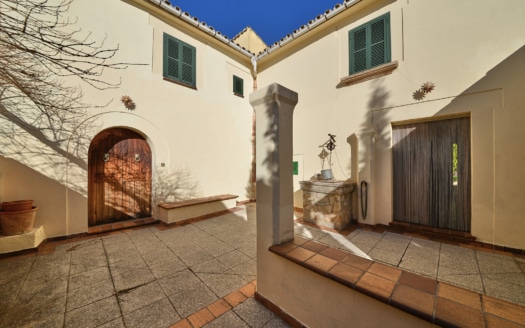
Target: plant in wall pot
[(17, 217)]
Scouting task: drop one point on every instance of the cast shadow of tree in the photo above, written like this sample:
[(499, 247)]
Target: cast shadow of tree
[(42, 112)]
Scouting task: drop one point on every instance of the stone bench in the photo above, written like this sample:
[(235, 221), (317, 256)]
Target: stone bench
[(173, 212)]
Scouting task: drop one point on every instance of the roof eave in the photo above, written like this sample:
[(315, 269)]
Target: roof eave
[(303, 34), (184, 21)]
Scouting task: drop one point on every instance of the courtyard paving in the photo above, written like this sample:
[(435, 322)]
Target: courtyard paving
[(203, 274)]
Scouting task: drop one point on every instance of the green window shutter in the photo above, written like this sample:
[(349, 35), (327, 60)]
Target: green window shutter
[(380, 41), (188, 64), (238, 86), (370, 44), (179, 61), (358, 50), (171, 57)]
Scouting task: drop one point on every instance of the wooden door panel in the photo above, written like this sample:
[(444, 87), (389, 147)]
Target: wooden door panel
[(431, 173), (120, 177)]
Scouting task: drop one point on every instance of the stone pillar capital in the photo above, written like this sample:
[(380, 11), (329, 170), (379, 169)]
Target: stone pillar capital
[(274, 93)]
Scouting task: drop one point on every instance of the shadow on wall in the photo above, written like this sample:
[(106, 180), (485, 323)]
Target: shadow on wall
[(45, 141), (378, 100), (174, 186), (18, 181)]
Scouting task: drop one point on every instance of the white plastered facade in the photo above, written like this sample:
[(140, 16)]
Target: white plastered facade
[(475, 57)]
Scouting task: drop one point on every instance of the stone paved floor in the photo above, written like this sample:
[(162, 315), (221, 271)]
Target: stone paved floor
[(203, 274), (140, 278), (480, 270)]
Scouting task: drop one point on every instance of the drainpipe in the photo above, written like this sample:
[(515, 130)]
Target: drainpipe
[(253, 177)]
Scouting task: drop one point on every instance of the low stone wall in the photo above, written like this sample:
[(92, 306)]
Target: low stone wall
[(328, 203)]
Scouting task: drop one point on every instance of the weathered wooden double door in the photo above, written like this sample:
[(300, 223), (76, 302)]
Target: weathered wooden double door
[(119, 186), (431, 173)]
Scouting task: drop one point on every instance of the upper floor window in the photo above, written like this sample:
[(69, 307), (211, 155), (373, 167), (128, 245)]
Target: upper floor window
[(238, 86), (179, 61), (370, 44)]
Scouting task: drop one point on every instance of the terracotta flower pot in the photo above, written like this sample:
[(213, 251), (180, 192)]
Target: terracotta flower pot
[(17, 223), (17, 205)]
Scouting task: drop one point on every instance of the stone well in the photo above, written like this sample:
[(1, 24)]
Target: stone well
[(328, 203)]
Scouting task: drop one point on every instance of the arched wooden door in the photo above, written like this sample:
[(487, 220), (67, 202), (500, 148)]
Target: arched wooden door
[(119, 170)]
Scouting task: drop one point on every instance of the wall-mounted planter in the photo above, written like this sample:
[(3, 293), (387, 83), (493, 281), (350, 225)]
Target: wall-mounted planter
[(17, 205), (17, 223)]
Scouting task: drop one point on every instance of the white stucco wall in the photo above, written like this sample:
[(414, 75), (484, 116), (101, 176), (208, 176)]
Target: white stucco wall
[(472, 51), (200, 139)]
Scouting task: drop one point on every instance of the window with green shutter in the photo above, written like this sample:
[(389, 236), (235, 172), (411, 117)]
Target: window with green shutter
[(238, 86), (179, 61), (370, 44)]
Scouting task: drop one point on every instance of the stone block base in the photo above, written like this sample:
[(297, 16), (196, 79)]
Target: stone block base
[(328, 203)]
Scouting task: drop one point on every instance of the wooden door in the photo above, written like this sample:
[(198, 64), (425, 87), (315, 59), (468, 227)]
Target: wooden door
[(119, 186), (431, 180)]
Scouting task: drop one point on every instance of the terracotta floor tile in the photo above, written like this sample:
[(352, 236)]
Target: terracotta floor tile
[(106, 228), (184, 323), (521, 256), (200, 318), (283, 248), (334, 253), (504, 309), (314, 246), (345, 274), (419, 282), (162, 227), (320, 263), (413, 301), (94, 230), (46, 250), (235, 298), (299, 240), (248, 290), (357, 261), (467, 246), (300, 254), (459, 295), (497, 322), (448, 313), (117, 226), (219, 307), (385, 271), (376, 286)]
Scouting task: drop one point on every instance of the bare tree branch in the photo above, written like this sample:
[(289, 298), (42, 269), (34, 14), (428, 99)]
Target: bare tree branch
[(39, 48)]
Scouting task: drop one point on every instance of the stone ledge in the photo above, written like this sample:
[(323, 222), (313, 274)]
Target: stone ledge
[(369, 74), (9, 244), (328, 187), (172, 212), (195, 201), (436, 302)]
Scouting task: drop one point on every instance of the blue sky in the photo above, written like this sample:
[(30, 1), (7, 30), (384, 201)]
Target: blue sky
[(270, 19)]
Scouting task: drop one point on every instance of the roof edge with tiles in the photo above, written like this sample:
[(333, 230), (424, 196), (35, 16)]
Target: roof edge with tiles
[(313, 23), (302, 30), (202, 26)]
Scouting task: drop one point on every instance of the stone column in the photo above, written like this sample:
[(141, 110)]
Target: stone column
[(274, 107)]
